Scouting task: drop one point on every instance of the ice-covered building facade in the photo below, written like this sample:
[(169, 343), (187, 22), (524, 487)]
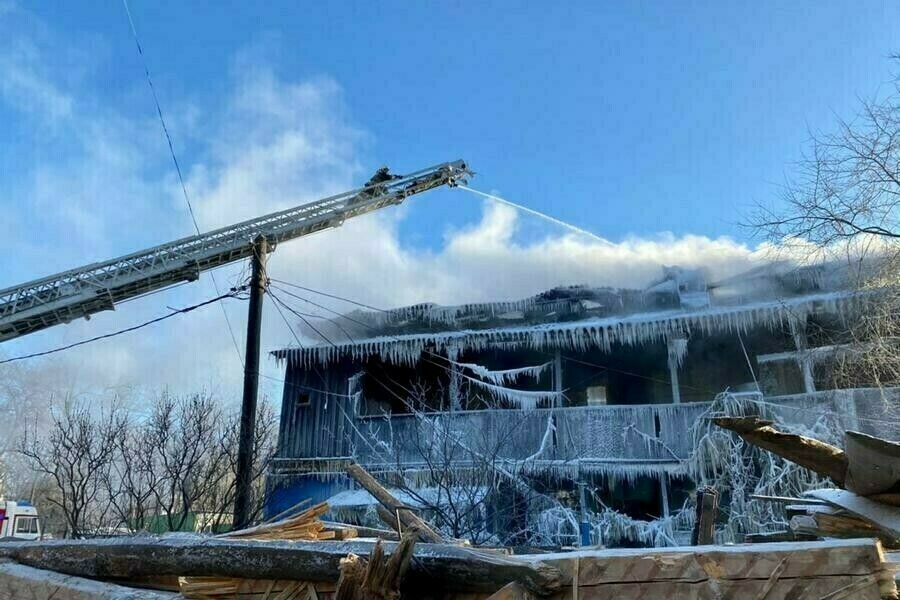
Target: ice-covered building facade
[(574, 386)]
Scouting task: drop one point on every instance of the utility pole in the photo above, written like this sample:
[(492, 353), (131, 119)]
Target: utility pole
[(258, 282)]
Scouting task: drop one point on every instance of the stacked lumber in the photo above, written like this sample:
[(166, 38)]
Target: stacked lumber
[(306, 526)]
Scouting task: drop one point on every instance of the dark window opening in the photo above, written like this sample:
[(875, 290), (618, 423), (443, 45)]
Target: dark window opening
[(303, 399)]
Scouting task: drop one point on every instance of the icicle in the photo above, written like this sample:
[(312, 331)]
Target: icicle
[(523, 399), (678, 350), (507, 375)]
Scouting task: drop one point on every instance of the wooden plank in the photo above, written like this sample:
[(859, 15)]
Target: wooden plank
[(20, 582), (448, 567), (787, 499), (873, 463), (511, 591), (380, 493), (793, 589), (705, 522), (856, 557), (885, 518), (366, 532), (812, 454), (774, 536), (812, 509), (341, 533)]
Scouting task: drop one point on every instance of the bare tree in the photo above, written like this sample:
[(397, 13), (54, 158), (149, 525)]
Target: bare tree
[(186, 437), (220, 502), (77, 454), (843, 200), (135, 476)]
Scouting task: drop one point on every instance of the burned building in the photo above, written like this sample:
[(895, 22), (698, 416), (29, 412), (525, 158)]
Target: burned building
[(574, 388)]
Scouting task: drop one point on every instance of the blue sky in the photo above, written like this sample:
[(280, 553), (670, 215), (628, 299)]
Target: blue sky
[(656, 125), (629, 118)]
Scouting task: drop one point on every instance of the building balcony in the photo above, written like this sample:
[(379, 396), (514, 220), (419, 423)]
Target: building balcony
[(625, 441)]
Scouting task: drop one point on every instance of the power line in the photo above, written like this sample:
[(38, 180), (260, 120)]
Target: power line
[(332, 321), (302, 318), (286, 322), (162, 121), (278, 304), (327, 295), (175, 312)]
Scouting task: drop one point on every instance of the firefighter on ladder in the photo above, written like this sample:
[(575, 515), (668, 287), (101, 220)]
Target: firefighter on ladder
[(375, 186)]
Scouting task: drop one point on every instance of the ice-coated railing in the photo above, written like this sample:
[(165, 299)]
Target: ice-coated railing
[(623, 439)]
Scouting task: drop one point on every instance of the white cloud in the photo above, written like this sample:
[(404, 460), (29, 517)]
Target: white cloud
[(24, 86)]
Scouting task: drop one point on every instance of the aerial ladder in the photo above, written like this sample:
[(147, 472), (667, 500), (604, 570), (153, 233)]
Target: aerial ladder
[(97, 287)]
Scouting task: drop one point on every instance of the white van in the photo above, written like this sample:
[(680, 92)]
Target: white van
[(19, 520)]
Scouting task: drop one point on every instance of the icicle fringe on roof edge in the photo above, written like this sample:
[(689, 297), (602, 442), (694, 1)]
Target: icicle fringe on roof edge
[(583, 335)]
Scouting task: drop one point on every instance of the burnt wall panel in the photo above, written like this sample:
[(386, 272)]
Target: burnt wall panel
[(314, 412)]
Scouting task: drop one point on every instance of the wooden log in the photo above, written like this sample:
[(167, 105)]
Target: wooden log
[(705, 522), (449, 567), (380, 493), (873, 464), (18, 582), (812, 454)]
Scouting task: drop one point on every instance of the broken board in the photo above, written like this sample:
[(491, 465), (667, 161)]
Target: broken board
[(884, 517)]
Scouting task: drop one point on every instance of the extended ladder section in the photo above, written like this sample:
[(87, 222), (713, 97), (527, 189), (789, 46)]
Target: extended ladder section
[(100, 286)]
